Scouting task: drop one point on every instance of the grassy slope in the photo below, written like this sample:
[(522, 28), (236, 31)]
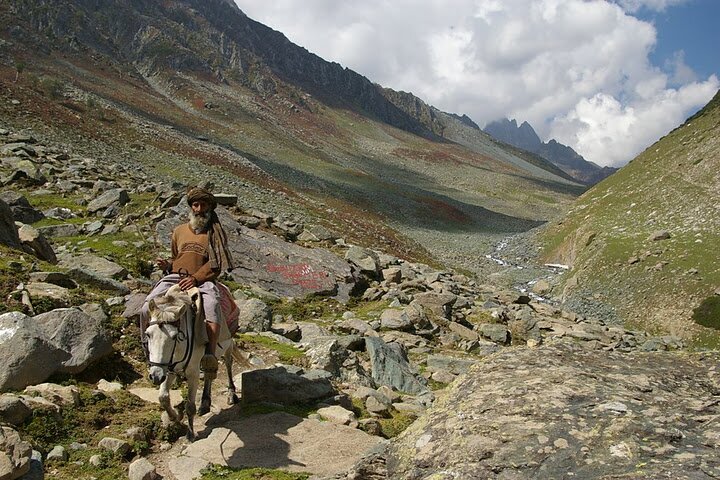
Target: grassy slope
[(674, 185)]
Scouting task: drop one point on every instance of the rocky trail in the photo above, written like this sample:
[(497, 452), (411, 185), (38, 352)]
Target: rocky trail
[(387, 369)]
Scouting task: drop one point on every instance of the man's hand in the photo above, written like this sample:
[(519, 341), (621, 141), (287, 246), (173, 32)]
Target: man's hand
[(187, 283), (162, 264)]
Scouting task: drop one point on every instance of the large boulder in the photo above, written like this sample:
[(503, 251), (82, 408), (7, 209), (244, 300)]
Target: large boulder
[(272, 264), (390, 366), (286, 386), (255, 315), (61, 341), (8, 232), (73, 331), (100, 266), (562, 409)]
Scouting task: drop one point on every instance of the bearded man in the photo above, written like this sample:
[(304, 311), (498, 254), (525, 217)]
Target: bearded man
[(199, 255)]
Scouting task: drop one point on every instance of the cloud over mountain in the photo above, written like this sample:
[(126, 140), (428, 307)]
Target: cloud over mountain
[(577, 70)]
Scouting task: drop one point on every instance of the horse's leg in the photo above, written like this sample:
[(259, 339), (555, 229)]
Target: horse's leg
[(232, 397), (192, 386), (164, 398)]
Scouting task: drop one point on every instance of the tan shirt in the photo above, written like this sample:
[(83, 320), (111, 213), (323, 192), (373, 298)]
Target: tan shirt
[(190, 254)]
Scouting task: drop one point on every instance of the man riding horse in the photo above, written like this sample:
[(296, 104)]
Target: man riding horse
[(199, 255)]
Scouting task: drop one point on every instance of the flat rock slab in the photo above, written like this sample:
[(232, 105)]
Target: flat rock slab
[(150, 395), (284, 441), (563, 409)]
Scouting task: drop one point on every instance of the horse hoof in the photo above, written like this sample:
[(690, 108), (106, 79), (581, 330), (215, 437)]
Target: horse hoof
[(203, 409), (190, 437), (233, 399)]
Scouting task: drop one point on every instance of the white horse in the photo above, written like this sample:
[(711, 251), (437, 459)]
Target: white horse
[(175, 348)]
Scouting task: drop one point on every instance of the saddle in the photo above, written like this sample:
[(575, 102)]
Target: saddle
[(228, 311)]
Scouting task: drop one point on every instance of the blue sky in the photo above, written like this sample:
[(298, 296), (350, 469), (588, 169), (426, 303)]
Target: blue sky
[(606, 77), (693, 28)]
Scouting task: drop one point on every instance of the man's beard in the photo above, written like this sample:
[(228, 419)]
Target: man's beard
[(199, 222)]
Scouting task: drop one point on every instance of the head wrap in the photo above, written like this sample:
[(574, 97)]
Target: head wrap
[(220, 256), (200, 194)]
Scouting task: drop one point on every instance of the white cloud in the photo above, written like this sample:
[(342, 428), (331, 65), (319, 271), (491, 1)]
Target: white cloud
[(633, 6), (577, 70)]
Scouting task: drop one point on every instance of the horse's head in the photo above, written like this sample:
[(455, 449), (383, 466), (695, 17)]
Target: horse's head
[(166, 334)]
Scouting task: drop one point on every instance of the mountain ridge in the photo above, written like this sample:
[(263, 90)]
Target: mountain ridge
[(571, 162)]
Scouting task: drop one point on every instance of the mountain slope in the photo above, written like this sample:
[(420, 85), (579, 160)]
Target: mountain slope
[(566, 158), (195, 89), (645, 240)]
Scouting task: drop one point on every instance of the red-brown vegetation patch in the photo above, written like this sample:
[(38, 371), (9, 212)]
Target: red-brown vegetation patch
[(444, 210)]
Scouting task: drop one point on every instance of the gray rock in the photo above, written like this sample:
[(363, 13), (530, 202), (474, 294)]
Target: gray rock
[(659, 235), (316, 233), (59, 213), (57, 454), (133, 305), (56, 278), (8, 232), (117, 196), (37, 242), (22, 210), (365, 259), (114, 445), (496, 332), (59, 231), (87, 277), (142, 469), (187, 468), (255, 316), (56, 394), (47, 290), (25, 171), (278, 385), (226, 199), (36, 470), (13, 409), (438, 304), (29, 357), (98, 265), (76, 333), (454, 365), (536, 413), (394, 319), (338, 415), (390, 366), (392, 275), (15, 454)]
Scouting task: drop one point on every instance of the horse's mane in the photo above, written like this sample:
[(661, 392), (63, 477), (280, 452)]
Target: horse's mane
[(167, 309)]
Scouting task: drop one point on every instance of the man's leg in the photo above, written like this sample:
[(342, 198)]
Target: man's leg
[(211, 307)]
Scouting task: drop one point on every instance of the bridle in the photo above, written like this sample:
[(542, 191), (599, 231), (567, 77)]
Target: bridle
[(182, 336)]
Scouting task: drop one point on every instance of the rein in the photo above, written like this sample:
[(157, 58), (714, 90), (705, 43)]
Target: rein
[(182, 336)]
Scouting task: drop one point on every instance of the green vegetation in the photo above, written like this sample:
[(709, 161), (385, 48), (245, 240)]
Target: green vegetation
[(391, 426), (218, 472), (286, 353), (97, 416), (308, 308), (670, 186)]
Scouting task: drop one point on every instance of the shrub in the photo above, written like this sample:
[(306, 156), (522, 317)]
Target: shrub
[(707, 313)]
